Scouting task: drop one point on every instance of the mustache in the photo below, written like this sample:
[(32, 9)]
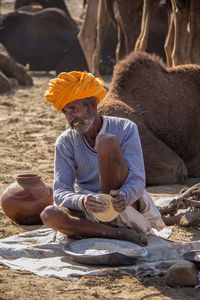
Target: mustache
[(76, 122)]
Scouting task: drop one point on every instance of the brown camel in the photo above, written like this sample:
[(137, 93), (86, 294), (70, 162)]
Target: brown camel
[(93, 32), (149, 9), (96, 23), (165, 104), (97, 38), (127, 19), (182, 40), (129, 23), (178, 35), (186, 32), (131, 15)]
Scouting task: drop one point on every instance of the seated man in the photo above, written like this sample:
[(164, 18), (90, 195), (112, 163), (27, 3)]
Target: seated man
[(97, 154)]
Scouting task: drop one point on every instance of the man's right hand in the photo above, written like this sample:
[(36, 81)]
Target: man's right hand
[(93, 204)]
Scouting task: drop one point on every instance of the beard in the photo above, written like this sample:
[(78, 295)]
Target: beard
[(82, 125)]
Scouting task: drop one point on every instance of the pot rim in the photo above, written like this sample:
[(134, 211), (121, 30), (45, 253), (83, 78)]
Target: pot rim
[(28, 177)]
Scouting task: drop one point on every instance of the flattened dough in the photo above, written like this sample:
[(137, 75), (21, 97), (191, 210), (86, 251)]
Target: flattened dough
[(110, 213)]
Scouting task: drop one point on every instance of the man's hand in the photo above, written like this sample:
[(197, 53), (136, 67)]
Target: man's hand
[(119, 201), (93, 204)]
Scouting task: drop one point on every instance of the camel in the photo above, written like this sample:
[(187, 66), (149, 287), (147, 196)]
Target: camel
[(182, 40), (149, 9), (175, 45), (11, 69), (131, 22), (184, 33), (165, 104), (96, 23), (100, 14), (46, 40)]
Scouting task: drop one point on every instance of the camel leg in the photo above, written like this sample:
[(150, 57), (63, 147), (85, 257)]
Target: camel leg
[(190, 36), (120, 49), (193, 50), (130, 16), (180, 33), (103, 22), (149, 9), (87, 34), (169, 42), (185, 17)]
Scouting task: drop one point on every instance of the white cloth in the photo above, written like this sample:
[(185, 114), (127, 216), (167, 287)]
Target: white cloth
[(149, 216), (39, 252)]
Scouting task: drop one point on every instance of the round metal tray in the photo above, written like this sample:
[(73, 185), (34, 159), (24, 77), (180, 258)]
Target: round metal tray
[(114, 258), (193, 256)]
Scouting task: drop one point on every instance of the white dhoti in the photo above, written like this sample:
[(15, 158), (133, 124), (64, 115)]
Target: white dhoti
[(148, 217)]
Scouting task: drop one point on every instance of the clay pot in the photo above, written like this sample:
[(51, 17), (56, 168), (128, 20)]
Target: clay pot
[(25, 199)]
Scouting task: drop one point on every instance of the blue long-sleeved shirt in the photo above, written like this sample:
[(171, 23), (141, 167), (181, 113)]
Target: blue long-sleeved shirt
[(76, 164)]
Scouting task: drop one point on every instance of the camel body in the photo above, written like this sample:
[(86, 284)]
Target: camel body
[(165, 105)]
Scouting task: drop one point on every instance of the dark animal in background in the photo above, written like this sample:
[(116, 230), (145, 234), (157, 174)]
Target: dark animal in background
[(127, 19), (46, 40), (44, 3), (165, 104), (11, 69)]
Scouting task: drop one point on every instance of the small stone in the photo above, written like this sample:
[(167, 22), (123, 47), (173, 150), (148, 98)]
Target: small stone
[(95, 294), (182, 273)]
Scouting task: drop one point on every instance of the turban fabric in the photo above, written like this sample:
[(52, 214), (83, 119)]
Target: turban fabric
[(67, 87)]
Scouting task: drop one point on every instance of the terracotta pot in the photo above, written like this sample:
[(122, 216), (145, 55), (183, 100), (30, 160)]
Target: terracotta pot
[(25, 199)]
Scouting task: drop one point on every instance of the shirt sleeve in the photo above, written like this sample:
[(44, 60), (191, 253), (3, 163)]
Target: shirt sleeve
[(134, 184), (64, 178)]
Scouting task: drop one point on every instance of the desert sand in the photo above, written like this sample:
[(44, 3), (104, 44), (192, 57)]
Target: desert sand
[(29, 127)]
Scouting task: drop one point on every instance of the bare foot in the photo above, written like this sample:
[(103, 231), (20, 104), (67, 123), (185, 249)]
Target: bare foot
[(134, 237)]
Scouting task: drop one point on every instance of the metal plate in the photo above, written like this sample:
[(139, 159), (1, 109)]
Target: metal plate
[(193, 256), (114, 258)]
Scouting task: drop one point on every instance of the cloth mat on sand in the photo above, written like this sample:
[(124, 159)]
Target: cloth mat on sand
[(39, 252)]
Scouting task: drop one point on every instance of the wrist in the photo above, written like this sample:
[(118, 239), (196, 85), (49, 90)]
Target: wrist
[(123, 193)]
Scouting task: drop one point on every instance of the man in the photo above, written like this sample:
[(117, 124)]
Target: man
[(97, 154)]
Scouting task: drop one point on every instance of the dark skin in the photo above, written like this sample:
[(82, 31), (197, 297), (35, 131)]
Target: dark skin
[(82, 116), (78, 111)]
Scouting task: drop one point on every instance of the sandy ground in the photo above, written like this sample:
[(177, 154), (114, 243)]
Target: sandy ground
[(29, 127)]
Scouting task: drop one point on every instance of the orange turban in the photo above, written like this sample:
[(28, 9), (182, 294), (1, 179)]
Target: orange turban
[(71, 86)]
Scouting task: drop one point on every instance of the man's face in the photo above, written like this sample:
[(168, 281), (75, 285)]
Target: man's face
[(79, 115)]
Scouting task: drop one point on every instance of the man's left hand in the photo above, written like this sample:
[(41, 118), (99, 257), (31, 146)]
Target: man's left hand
[(119, 201)]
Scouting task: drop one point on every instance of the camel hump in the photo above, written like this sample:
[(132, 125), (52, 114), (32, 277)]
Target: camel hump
[(138, 59), (51, 13), (135, 63)]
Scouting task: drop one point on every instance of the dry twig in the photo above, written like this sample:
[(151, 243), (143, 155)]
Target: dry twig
[(187, 198)]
